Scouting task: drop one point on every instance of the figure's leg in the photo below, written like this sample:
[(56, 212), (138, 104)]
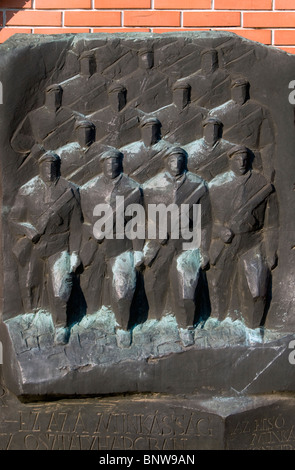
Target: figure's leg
[(254, 280), (31, 283), (219, 284), (156, 282), (123, 283), (60, 283), (93, 282), (184, 277)]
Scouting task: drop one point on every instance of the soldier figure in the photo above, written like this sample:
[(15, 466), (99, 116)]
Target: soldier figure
[(144, 159), (167, 263), (208, 155), (244, 241), (47, 221), (110, 262)]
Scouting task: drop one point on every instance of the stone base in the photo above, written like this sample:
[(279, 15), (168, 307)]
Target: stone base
[(221, 358), (149, 423)]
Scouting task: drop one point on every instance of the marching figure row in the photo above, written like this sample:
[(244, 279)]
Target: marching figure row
[(60, 261), (118, 112)]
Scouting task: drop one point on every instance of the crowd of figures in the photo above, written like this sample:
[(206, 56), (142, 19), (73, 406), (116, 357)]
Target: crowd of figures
[(95, 139)]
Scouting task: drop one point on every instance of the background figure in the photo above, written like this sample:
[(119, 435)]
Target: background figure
[(81, 158), (110, 263), (46, 221), (147, 87), (170, 269), (87, 91), (52, 125), (117, 123), (144, 159), (208, 155), (243, 251), (249, 123), (182, 118), (211, 84)]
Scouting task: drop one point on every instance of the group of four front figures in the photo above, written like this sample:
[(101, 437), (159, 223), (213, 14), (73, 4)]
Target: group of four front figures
[(66, 266)]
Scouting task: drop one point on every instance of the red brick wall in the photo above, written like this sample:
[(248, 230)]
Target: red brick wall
[(270, 22)]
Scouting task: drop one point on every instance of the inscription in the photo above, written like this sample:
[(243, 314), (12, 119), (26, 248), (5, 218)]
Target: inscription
[(63, 430), (271, 433)]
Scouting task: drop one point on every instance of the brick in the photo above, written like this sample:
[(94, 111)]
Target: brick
[(92, 18), (108, 4), (269, 20), (152, 18), (182, 5), (211, 19), (259, 35), (284, 37), (58, 4), (15, 4), (243, 5), (171, 30), (60, 30), (290, 50), (284, 5), (33, 18), (6, 33), (121, 30)]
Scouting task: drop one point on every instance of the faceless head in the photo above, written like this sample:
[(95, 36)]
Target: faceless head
[(85, 133), (212, 130), (209, 60), (87, 63), (239, 160), (53, 97), (240, 91), (146, 58), (112, 163), (181, 94), (117, 97), (49, 167), (176, 161), (150, 131)]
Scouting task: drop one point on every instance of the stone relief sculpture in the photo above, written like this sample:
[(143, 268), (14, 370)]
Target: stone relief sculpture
[(106, 135)]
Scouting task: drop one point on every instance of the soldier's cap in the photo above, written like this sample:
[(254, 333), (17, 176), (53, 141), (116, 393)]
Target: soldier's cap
[(87, 55), (239, 82), (175, 151), (53, 87), (149, 121), (237, 149), (49, 157), (181, 85), (84, 124), (212, 120), (209, 50), (112, 153), (145, 50), (116, 87)]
